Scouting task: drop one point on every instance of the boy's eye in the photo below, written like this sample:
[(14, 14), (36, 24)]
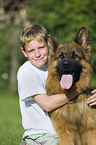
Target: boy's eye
[(41, 47), (31, 50)]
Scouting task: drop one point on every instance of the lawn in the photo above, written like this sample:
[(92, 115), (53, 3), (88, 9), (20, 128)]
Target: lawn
[(11, 130)]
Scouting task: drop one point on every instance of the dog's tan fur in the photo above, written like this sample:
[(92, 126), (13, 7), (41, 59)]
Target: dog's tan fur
[(75, 122)]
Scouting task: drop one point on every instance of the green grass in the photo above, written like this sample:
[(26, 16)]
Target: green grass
[(11, 130)]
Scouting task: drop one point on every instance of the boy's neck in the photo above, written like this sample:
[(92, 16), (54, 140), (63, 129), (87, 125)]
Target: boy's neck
[(44, 67)]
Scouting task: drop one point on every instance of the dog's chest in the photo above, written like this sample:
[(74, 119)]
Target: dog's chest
[(71, 112)]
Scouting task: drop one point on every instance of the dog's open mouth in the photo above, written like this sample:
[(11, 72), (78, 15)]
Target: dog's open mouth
[(69, 74), (66, 81)]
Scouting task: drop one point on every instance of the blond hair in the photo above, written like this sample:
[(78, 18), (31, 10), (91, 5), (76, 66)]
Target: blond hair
[(38, 32)]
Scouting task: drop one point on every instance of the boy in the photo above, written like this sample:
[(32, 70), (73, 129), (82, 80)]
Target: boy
[(34, 102)]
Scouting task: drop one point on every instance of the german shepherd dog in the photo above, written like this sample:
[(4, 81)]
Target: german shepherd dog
[(69, 72)]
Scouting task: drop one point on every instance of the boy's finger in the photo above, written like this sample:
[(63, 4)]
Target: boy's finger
[(94, 91), (91, 97), (91, 101), (92, 104)]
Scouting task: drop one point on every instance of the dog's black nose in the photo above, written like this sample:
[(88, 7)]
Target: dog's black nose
[(66, 62)]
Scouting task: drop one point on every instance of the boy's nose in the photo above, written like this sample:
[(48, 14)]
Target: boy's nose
[(37, 53)]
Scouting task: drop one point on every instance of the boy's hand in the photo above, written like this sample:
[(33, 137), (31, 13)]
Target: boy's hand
[(92, 100)]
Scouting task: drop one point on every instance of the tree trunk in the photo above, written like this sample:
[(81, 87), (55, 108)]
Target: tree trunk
[(14, 59)]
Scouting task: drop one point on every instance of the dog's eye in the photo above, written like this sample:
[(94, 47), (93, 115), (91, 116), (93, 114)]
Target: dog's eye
[(74, 55), (61, 56)]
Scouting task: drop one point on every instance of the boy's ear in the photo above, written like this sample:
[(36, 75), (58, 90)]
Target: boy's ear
[(25, 54)]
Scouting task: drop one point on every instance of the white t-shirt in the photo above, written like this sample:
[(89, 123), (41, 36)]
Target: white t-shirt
[(31, 81)]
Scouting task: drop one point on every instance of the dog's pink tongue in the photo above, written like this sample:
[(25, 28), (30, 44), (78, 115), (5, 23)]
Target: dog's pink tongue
[(66, 81)]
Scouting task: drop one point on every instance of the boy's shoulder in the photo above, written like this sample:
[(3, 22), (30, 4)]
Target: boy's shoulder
[(23, 69), (30, 70), (24, 66)]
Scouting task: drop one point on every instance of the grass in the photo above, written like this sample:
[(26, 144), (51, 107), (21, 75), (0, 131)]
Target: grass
[(11, 130)]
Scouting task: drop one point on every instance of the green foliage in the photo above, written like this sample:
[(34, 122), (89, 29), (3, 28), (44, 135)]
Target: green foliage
[(11, 130), (4, 56), (8, 43), (62, 18)]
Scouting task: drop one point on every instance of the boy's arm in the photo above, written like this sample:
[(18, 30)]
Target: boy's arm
[(49, 103)]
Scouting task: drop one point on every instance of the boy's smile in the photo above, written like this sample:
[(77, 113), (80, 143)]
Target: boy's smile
[(37, 53)]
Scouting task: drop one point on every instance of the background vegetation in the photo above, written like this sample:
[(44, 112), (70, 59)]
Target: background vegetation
[(61, 18)]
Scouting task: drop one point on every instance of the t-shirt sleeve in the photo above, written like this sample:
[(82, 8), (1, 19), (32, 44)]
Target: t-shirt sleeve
[(29, 84)]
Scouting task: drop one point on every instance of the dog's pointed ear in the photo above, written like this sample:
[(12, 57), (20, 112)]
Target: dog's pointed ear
[(82, 37), (52, 44)]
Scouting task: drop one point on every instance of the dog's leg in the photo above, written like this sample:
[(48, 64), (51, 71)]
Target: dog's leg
[(88, 128), (88, 136), (68, 135)]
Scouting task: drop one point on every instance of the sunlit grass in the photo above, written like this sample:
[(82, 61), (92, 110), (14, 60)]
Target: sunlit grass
[(11, 130)]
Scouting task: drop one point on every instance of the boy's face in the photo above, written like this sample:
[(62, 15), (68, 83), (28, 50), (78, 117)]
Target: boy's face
[(37, 53)]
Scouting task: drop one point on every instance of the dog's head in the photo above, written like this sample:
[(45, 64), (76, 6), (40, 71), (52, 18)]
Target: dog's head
[(71, 62)]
